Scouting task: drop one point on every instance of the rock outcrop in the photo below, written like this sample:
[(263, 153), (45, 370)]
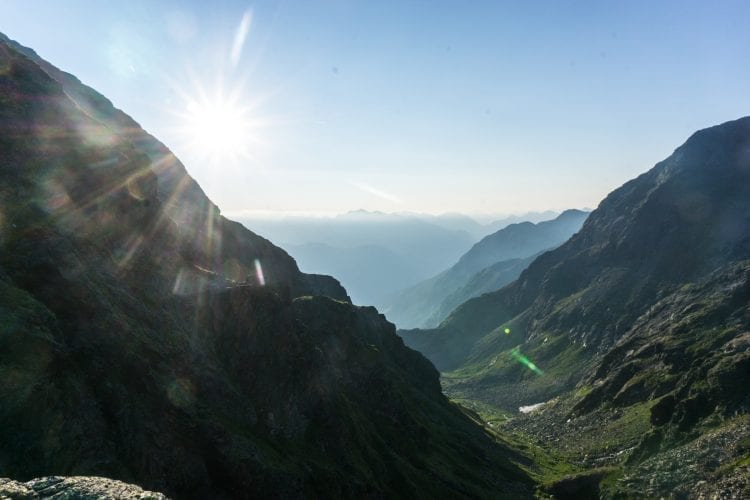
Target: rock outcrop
[(74, 488)]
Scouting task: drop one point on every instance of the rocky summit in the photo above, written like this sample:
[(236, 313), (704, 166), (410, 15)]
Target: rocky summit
[(628, 345), (146, 338)]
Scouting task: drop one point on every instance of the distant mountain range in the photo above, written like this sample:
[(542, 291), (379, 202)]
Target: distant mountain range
[(491, 263), (369, 271), (633, 333), (146, 338), (476, 229), (375, 254)]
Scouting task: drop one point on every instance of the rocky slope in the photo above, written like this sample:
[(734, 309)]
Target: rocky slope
[(426, 304), (138, 341), (638, 324)]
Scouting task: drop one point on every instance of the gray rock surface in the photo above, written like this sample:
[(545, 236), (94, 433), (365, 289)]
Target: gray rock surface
[(74, 488)]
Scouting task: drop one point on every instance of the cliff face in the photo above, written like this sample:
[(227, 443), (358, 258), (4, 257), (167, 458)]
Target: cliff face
[(137, 342)]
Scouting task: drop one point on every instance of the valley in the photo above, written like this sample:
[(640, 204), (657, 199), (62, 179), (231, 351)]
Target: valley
[(151, 346), (636, 335)]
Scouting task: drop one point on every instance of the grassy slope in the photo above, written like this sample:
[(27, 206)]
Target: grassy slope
[(671, 388)]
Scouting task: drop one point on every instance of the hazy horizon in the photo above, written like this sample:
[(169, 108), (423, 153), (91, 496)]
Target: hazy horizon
[(481, 217), (325, 108)]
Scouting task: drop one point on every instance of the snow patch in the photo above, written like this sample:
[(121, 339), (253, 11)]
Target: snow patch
[(530, 408)]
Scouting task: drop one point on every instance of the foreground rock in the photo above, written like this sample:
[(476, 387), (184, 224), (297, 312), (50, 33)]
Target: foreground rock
[(74, 488)]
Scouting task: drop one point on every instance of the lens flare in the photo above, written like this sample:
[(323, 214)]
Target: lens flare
[(507, 331), (259, 273), (516, 353), (181, 393)]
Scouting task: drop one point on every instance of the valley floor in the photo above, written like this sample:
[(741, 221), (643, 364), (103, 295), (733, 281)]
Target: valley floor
[(605, 453)]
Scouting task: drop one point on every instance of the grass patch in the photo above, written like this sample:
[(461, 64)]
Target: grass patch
[(544, 465)]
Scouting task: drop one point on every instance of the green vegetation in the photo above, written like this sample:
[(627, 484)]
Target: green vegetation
[(543, 463)]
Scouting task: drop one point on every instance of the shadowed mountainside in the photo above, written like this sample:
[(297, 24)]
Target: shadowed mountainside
[(138, 342), (216, 244)]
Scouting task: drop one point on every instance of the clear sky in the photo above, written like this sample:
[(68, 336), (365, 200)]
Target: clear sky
[(474, 107)]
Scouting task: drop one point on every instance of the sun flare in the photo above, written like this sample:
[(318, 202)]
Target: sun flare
[(218, 128)]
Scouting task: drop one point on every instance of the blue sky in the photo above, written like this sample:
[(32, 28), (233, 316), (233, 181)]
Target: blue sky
[(474, 107)]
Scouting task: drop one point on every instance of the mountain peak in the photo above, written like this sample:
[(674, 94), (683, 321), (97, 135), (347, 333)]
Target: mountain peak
[(572, 212)]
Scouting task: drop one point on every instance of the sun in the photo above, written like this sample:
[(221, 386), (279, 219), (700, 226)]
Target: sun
[(217, 128)]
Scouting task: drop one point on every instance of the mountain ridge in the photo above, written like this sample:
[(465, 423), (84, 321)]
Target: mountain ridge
[(427, 304)]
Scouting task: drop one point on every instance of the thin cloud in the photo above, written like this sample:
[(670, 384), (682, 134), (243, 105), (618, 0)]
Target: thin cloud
[(376, 192), (239, 37)]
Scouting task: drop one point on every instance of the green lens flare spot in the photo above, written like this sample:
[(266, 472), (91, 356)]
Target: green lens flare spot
[(516, 353), (507, 331)]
